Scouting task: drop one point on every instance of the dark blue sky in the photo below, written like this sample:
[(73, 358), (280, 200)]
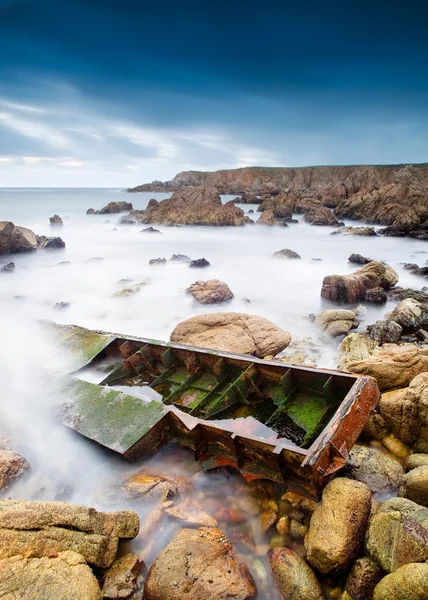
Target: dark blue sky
[(116, 93)]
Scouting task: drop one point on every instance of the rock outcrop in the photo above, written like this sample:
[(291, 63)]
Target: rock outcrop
[(346, 289), (199, 564), (232, 332), (212, 291), (195, 206), (114, 208)]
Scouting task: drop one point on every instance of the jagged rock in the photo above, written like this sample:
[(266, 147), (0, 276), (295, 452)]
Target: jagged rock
[(12, 466), (211, 291), (180, 258), (286, 253), (150, 230), (157, 261), (352, 288), (232, 332), (294, 579), (385, 332), (56, 220), (393, 366), (336, 322), (407, 583), (376, 296), (199, 564), (355, 347), (124, 577), (199, 263), (358, 259), (60, 576), (195, 206), (410, 314), (115, 207), (343, 512), (16, 239), (398, 534), (278, 214), (50, 243), (415, 485), (9, 268), (415, 460), (36, 529), (380, 471), (321, 216), (363, 578)]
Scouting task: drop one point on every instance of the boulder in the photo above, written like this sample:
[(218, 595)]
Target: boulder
[(352, 288), (363, 578), (199, 205), (50, 243), (410, 314), (16, 239), (286, 253), (381, 472), (115, 207), (407, 583), (199, 564), (36, 529), (12, 466), (393, 366), (123, 578), (8, 268), (376, 296), (358, 259), (90, 211), (210, 292), (280, 214), (398, 534), (415, 460), (385, 332), (199, 263), (321, 216), (336, 322), (415, 485), (294, 579), (56, 220), (60, 576), (366, 231), (232, 332), (355, 347), (343, 512)]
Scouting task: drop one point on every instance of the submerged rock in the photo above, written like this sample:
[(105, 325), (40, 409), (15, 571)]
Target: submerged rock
[(286, 253), (352, 288), (294, 579), (381, 472), (12, 466), (56, 220), (212, 291), (407, 583), (191, 512), (199, 564), (9, 268), (232, 332), (150, 230), (336, 322)]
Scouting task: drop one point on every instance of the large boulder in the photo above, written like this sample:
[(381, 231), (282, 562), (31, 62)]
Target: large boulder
[(336, 322), (321, 216), (380, 471), (338, 524), (60, 576), (407, 583), (195, 206), (12, 466), (37, 529), (16, 239), (415, 485), (212, 291), (346, 289), (294, 579), (393, 366), (232, 332), (199, 564)]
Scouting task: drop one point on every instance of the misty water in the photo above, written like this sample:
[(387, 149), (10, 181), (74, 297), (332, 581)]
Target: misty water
[(99, 253)]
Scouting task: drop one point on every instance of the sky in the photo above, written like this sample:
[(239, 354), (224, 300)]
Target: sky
[(116, 93)]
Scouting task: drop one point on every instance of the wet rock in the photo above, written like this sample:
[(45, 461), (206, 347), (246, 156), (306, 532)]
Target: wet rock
[(16, 239), (407, 583), (355, 347), (376, 296), (415, 485), (115, 207), (385, 332), (196, 565), (343, 512), (232, 332), (150, 230), (212, 291), (393, 366), (124, 577), (399, 293), (321, 216), (294, 579), (410, 314), (12, 466), (191, 512), (39, 528), (422, 335), (363, 578), (336, 322), (358, 259), (415, 460), (90, 211), (64, 575), (199, 205), (199, 263), (56, 220), (157, 261), (180, 258), (286, 253), (50, 243), (352, 288), (9, 268), (379, 471), (154, 488)]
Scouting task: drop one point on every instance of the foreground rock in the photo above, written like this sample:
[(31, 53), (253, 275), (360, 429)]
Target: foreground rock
[(346, 289), (381, 472), (212, 291), (196, 565), (355, 347), (293, 577), (385, 332), (343, 512), (16, 239), (37, 529), (195, 206), (336, 322), (12, 466), (61, 576), (232, 332), (56, 220), (363, 578), (124, 577), (407, 583), (410, 314)]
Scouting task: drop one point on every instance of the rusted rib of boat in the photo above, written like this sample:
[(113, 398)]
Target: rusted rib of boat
[(265, 418)]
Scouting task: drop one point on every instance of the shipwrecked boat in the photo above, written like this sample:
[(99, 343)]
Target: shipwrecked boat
[(265, 418)]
